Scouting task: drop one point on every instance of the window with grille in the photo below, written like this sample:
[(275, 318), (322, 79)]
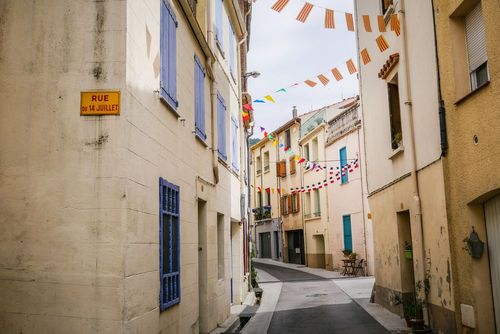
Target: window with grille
[(284, 204), (170, 288), (476, 48), (168, 62)]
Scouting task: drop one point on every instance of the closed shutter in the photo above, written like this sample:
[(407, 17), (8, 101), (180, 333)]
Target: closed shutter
[(221, 126), (475, 38), (234, 144), (232, 65), (290, 209), (199, 98), (218, 21), (343, 163), (347, 232), (168, 89)]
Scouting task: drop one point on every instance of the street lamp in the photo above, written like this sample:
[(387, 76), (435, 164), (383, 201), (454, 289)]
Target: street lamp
[(253, 74)]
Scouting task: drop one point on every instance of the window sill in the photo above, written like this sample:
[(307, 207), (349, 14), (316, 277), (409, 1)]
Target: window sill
[(312, 218), (259, 173), (200, 139), (471, 93), (397, 152), (267, 171), (171, 104)]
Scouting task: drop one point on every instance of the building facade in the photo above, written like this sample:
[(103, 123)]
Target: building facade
[(349, 226), (406, 186), (467, 44), (135, 220), (266, 223)]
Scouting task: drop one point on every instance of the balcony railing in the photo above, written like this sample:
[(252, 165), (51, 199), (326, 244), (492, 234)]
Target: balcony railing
[(262, 213), (342, 124)]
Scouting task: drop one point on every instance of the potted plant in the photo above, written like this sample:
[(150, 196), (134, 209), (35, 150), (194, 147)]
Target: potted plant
[(408, 251), (413, 312), (352, 256), (346, 252), (397, 140)]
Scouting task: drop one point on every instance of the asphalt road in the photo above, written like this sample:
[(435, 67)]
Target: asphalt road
[(311, 304)]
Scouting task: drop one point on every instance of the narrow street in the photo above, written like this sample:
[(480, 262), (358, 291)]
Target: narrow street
[(308, 303)]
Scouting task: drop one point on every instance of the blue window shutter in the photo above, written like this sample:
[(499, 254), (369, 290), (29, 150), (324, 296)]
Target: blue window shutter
[(168, 72), (234, 144), (232, 65), (218, 21), (199, 99), (221, 126), (347, 232), (343, 162), (170, 288)]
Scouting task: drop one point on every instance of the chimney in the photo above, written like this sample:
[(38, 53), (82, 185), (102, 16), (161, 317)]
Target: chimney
[(294, 112)]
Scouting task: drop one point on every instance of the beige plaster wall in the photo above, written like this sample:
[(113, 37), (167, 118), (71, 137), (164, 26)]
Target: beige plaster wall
[(84, 258)]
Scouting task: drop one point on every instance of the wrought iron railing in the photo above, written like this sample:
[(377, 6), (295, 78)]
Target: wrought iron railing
[(341, 124)]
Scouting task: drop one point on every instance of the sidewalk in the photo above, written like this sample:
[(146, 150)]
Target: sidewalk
[(359, 289)]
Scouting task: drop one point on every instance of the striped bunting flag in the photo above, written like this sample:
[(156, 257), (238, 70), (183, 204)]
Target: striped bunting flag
[(366, 23), (382, 43), (310, 83), (324, 80), (329, 19), (365, 56), (395, 24), (349, 21), (279, 5), (336, 74), (304, 12), (351, 67), (381, 23)]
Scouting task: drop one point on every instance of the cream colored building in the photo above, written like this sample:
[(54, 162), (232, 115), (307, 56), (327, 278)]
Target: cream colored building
[(349, 226), (406, 186), (126, 223), (468, 47)]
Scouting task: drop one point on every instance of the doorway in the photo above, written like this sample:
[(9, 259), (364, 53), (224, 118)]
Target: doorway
[(277, 254), (492, 217), (202, 265), (295, 246), (265, 245)]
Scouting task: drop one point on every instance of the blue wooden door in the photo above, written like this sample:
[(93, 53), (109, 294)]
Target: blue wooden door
[(347, 232)]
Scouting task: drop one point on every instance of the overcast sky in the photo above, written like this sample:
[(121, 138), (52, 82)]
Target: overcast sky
[(286, 51)]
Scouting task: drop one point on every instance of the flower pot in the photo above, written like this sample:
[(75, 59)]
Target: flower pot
[(409, 254)]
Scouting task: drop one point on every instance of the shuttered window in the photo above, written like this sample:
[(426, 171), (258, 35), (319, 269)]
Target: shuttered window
[(235, 157), (343, 162), (218, 22), (281, 168), (168, 27), (476, 47), (199, 99), (346, 220), (295, 203), (221, 127), (170, 288), (232, 60), (292, 166)]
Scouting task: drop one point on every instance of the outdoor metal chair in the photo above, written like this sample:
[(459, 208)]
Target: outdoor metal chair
[(359, 266)]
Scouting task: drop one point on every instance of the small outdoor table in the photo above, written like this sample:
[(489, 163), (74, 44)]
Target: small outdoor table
[(349, 267)]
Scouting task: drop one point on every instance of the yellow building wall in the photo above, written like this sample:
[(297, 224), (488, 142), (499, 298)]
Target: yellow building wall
[(472, 175)]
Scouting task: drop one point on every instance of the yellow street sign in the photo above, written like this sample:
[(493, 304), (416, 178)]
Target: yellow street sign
[(100, 103)]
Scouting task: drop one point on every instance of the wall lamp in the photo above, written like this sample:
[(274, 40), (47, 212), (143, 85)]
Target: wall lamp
[(253, 74)]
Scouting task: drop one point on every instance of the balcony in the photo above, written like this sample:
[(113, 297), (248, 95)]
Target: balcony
[(262, 213), (342, 124), (312, 123)]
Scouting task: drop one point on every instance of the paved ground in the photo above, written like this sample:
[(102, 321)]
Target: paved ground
[(307, 303)]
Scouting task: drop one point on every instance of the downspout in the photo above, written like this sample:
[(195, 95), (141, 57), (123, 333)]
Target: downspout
[(213, 97), (362, 201), (414, 175), (442, 110)]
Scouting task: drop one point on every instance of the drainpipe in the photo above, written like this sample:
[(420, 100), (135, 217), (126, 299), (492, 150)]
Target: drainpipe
[(414, 176), (442, 110), (362, 200)]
